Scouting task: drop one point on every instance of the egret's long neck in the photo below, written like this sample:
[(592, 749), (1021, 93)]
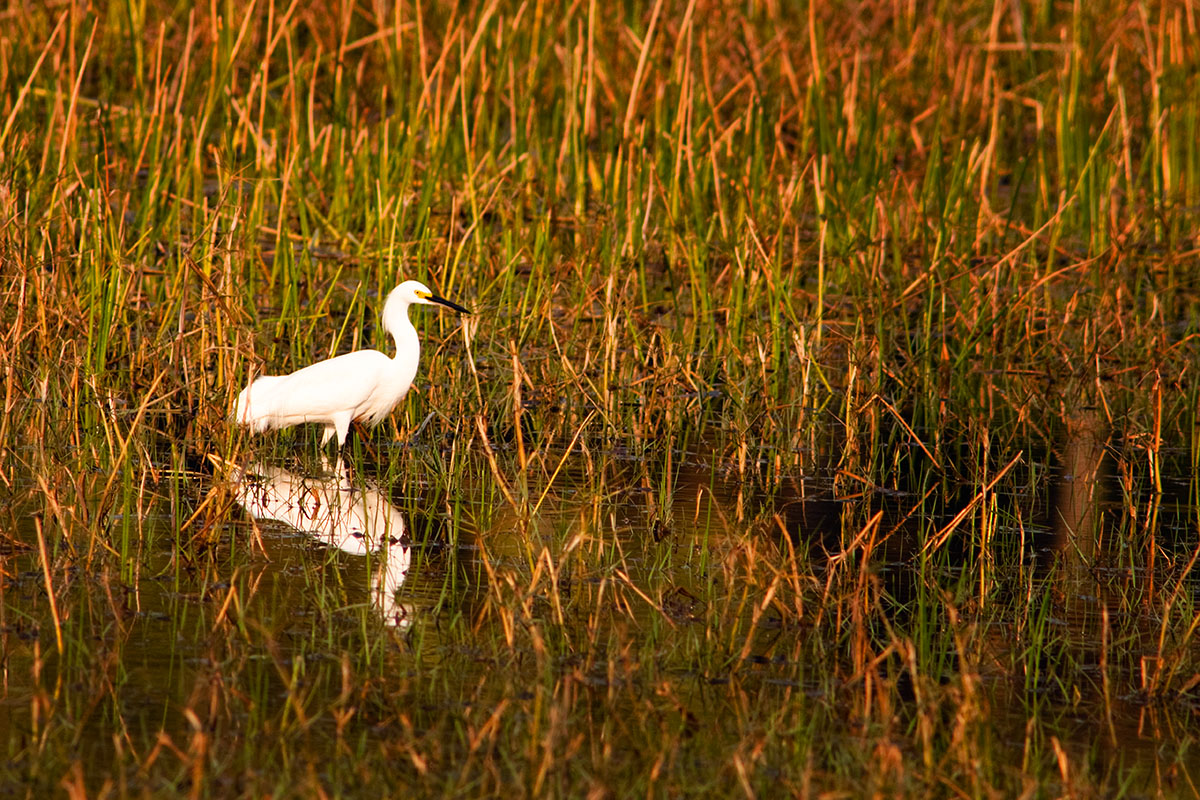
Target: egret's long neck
[(408, 346)]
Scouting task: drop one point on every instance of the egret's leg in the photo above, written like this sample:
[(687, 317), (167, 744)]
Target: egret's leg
[(328, 433), (330, 430), (340, 426), (343, 473)]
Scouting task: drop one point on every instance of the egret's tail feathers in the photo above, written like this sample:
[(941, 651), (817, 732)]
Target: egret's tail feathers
[(255, 406)]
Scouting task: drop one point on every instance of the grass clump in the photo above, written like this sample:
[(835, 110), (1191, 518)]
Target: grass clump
[(825, 422)]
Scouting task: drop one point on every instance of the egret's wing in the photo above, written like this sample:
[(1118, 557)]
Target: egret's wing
[(319, 392), (326, 388), (255, 403)]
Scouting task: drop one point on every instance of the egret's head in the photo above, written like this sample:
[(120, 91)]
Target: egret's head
[(414, 292)]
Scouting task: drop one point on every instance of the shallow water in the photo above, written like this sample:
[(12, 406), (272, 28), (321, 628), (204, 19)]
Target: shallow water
[(313, 596)]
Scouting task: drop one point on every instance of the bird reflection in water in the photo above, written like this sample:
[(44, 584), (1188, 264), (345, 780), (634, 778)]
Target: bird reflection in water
[(358, 521)]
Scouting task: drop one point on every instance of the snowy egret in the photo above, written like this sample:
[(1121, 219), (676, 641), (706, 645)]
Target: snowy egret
[(364, 385)]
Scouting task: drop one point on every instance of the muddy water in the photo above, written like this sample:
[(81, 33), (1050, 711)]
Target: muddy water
[(315, 574)]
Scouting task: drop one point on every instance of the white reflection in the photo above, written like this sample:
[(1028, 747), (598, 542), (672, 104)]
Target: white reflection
[(359, 521)]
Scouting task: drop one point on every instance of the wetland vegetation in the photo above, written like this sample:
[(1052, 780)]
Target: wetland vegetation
[(824, 424)]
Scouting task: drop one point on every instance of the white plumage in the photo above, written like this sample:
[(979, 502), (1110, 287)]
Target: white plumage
[(364, 385)]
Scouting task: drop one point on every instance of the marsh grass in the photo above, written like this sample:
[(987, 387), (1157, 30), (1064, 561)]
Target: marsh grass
[(824, 425)]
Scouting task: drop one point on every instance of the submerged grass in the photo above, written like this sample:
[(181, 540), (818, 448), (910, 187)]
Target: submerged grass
[(825, 425)]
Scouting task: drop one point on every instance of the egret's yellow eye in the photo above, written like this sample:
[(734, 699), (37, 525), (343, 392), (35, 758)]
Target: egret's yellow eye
[(424, 295)]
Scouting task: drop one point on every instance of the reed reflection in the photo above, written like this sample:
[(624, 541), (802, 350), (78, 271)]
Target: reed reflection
[(1079, 493)]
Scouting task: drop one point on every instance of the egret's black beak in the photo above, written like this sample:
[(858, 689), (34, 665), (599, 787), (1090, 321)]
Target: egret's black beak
[(433, 298)]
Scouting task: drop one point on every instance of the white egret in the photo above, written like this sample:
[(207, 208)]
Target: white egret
[(364, 385)]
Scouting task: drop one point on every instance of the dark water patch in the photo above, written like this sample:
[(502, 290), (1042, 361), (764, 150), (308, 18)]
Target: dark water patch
[(654, 586)]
